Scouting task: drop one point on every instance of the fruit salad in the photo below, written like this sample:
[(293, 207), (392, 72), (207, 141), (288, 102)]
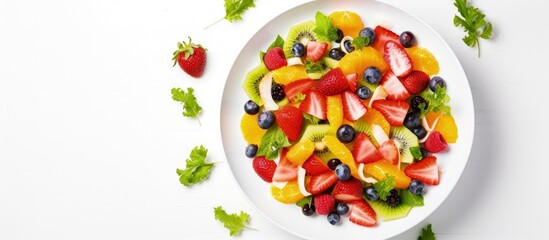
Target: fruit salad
[(345, 119)]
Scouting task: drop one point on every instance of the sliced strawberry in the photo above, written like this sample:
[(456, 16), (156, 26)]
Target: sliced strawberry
[(324, 204), (352, 80), (296, 87), (314, 104), (390, 152), (397, 58), (286, 170), (315, 50), (275, 59), (348, 191), (382, 36), (314, 166), (393, 111), (425, 170), (416, 82), (321, 182), (290, 120), (332, 83), (394, 88), (362, 214), (364, 150), (353, 107), (264, 168)]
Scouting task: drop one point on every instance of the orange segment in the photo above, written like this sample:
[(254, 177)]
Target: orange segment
[(251, 131), (446, 125), (335, 112), (380, 169), (288, 194), (373, 116), (301, 151), (357, 61), (423, 60), (349, 22), (288, 74), (431, 117), (342, 152)]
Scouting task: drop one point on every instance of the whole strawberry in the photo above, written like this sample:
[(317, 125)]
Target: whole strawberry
[(190, 57)]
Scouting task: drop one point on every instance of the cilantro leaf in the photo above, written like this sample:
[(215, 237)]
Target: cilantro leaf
[(305, 200), (235, 8), (427, 233), (234, 222), (325, 29), (360, 42), (196, 168), (410, 199), (384, 186), (437, 102), (278, 42), (416, 153), (472, 21), (190, 106), (272, 142)]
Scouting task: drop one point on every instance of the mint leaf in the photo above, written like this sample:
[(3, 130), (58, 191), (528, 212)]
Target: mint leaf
[(278, 42), (360, 42), (305, 200), (427, 234), (437, 102), (325, 29), (234, 222), (473, 23), (416, 153), (272, 142), (190, 105), (384, 186), (196, 168), (410, 199)]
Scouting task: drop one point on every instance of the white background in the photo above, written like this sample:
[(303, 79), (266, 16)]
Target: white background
[(90, 138)]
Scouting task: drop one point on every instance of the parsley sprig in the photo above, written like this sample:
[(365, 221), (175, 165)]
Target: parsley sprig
[(427, 233), (234, 222), (472, 21), (196, 168), (234, 10), (190, 105)]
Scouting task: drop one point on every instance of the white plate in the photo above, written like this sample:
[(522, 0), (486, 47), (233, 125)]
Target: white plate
[(289, 217)]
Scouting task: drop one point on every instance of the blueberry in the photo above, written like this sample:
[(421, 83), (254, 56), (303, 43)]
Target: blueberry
[(420, 132), (423, 152), (369, 33), (416, 101), (436, 80), (407, 39), (363, 93), (298, 49), (343, 172), (371, 193), (342, 208), (339, 35), (250, 107), (307, 210), (346, 133), (251, 150), (348, 45), (277, 92), (372, 75), (411, 120), (333, 218), (332, 163), (336, 54), (266, 119), (416, 187)]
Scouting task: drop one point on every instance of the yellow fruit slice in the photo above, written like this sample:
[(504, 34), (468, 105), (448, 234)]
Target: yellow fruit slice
[(446, 125), (251, 131), (357, 61), (342, 152), (288, 74), (349, 22), (423, 60), (373, 116), (301, 151), (335, 112), (431, 118), (288, 194), (380, 169)]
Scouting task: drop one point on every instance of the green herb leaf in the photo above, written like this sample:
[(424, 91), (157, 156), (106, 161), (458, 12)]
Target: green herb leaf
[(196, 168), (410, 199), (472, 21), (278, 42), (190, 105), (384, 186), (360, 42), (299, 98), (272, 142), (416, 153), (427, 234), (234, 222), (437, 102), (325, 29), (312, 67), (235, 8), (305, 200), (310, 119)]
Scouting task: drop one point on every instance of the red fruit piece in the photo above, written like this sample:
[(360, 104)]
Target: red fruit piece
[(324, 204), (390, 152), (364, 150), (314, 104), (353, 107), (314, 166), (382, 36), (275, 59), (321, 182), (397, 58), (285, 171), (416, 82), (315, 50), (393, 111), (332, 83), (352, 80), (290, 120), (394, 88), (425, 170), (362, 214), (435, 143), (191, 58), (264, 168), (296, 87), (348, 191)]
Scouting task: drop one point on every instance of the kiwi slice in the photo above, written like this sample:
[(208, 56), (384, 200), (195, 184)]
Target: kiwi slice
[(324, 68), (331, 63), (251, 83), (316, 133), (302, 33), (406, 140), (386, 212), (362, 126)]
